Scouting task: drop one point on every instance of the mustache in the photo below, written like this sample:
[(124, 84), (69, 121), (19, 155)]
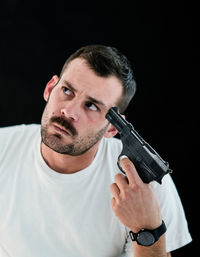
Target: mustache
[(65, 124)]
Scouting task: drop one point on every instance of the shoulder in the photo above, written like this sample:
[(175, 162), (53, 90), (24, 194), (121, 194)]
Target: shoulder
[(113, 145), (109, 151), (17, 130), (113, 141), (16, 134)]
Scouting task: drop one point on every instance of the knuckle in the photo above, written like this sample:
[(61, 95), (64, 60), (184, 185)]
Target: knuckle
[(136, 187), (127, 193), (118, 176), (112, 187), (120, 204), (127, 165)]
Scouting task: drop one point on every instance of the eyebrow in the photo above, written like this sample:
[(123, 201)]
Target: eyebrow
[(70, 86), (94, 100)]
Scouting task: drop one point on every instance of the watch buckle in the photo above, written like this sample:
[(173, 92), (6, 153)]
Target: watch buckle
[(132, 235)]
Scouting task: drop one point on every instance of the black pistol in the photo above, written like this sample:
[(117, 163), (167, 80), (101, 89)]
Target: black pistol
[(149, 165)]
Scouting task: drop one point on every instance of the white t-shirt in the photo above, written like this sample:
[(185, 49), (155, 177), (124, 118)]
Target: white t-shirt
[(45, 213)]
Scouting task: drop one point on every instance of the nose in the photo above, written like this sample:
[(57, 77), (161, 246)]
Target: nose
[(71, 111)]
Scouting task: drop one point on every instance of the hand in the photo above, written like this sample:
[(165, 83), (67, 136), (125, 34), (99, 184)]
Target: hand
[(134, 202)]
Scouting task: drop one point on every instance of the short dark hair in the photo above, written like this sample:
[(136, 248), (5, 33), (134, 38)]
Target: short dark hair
[(107, 61)]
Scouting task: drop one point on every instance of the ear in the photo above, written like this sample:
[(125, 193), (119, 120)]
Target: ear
[(49, 86), (111, 131)]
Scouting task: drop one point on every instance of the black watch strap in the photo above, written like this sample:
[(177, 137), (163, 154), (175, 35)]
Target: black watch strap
[(156, 234)]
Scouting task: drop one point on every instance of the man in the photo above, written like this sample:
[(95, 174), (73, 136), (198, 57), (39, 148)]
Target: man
[(61, 191)]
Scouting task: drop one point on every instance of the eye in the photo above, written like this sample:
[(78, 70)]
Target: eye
[(67, 91), (92, 106)]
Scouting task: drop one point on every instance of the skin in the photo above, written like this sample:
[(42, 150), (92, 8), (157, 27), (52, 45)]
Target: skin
[(137, 207), (80, 99), (72, 104)]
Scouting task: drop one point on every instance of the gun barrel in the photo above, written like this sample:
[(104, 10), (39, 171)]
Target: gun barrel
[(116, 119)]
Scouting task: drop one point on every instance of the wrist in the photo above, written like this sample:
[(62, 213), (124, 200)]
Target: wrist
[(154, 225), (150, 226), (147, 237)]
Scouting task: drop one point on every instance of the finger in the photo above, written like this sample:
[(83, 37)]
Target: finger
[(121, 181), (130, 170), (114, 190)]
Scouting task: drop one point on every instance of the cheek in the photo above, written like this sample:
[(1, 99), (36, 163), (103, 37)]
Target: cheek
[(93, 124), (52, 108), (96, 117), (47, 114)]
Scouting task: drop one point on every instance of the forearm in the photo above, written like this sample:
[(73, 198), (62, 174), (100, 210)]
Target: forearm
[(156, 250)]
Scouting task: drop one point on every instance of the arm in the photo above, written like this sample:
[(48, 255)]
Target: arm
[(137, 207)]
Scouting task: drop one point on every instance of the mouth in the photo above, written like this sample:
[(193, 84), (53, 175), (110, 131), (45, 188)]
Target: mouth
[(61, 130)]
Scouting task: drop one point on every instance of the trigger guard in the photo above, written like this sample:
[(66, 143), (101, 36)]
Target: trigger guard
[(118, 163)]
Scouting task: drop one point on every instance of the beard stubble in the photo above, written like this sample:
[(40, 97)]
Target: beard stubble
[(55, 141)]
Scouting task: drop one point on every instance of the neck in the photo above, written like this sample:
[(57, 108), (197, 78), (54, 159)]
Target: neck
[(67, 164)]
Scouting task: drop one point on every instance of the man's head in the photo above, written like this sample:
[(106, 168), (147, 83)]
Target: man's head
[(107, 61), (93, 79)]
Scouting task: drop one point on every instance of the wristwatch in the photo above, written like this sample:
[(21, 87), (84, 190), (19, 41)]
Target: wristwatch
[(147, 237)]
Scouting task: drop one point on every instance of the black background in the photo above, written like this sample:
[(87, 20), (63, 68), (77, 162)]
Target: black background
[(36, 37)]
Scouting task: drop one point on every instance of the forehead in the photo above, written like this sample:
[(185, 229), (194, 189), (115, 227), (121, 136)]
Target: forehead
[(86, 82)]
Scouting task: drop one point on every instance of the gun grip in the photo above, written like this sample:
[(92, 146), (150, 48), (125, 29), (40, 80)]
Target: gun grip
[(143, 171)]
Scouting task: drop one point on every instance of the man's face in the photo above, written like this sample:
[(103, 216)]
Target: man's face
[(73, 120)]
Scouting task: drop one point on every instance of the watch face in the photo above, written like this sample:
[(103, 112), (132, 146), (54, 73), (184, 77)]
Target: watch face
[(145, 238)]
